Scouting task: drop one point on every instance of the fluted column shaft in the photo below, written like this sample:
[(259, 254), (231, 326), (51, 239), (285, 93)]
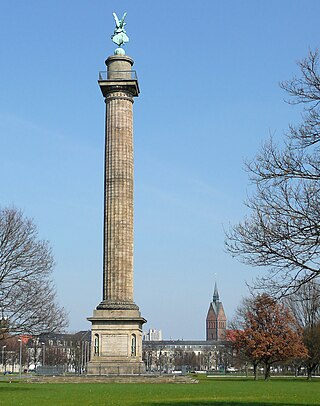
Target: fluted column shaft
[(119, 90), (118, 215)]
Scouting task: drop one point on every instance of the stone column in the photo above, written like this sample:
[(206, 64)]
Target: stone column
[(119, 91), (116, 323)]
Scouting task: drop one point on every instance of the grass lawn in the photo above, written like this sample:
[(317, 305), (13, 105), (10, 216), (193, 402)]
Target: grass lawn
[(209, 391)]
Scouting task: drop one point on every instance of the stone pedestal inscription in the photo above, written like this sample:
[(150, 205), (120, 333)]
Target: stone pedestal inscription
[(114, 345)]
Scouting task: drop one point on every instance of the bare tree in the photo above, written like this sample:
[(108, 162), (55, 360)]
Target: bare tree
[(27, 295), (282, 231), (305, 306)]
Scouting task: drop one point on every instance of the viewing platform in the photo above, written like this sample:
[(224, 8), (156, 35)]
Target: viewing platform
[(115, 80), (117, 75)]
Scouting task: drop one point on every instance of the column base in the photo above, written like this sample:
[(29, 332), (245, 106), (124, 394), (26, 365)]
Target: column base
[(116, 342), (116, 305), (116, 368)]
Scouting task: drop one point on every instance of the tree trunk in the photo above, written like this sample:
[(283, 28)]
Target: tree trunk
[(255, 371), (267, 371), (310, 369)]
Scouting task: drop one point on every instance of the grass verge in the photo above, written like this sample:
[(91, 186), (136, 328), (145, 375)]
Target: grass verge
[(208, 392)]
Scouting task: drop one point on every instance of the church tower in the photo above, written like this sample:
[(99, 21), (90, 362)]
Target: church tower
[(216, 322)]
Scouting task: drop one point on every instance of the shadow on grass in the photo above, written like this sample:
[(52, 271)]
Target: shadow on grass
[(216, 403), (244, 379), (14, 388), (223, 379)]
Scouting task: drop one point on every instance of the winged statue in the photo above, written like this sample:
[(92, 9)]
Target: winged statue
[(119, 36)]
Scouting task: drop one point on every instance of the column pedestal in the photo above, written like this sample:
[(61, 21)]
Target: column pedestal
[(117, 343)]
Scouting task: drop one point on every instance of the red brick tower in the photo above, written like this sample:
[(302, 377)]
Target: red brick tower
[(216, 322)]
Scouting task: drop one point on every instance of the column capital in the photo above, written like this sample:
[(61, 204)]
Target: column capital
[(119, 85)]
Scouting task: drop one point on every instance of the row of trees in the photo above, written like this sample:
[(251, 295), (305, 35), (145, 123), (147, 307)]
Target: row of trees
[(28, 302)]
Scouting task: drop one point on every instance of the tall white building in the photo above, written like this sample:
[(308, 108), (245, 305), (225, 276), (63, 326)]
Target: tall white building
[(152, 335)]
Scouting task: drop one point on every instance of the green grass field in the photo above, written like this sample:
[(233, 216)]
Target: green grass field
[(218, 392)]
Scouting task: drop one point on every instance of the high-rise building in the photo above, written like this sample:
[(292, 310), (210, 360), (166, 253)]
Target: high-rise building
[(152, 335)]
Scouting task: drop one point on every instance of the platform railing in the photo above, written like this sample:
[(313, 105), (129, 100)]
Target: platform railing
[(118, 75)]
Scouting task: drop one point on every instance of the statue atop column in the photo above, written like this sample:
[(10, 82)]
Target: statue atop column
[(120, 36)]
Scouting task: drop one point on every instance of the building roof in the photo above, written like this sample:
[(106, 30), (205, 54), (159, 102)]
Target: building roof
[(182, 344), (216, 305), (215, 297)]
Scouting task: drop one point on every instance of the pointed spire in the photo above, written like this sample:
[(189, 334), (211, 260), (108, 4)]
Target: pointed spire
[(215, 297)]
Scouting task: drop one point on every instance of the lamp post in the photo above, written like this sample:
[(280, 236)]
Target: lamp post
[(43, 353), (3, 367), (20, 356), (85, 358), (82, 356), (78, 358)]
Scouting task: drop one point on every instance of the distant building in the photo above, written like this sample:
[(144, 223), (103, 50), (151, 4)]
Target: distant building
[(70, 351), (216, 322), (152, 335), (46, 353), (176, 355)]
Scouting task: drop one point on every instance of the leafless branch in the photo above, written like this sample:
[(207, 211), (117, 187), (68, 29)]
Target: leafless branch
[(282, 231), (27, 295)]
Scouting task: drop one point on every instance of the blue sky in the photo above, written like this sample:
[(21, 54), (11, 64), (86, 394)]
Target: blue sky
[(208, 74)]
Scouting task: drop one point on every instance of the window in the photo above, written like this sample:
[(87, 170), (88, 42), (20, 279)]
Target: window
[(96, 344), (133, 345)]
